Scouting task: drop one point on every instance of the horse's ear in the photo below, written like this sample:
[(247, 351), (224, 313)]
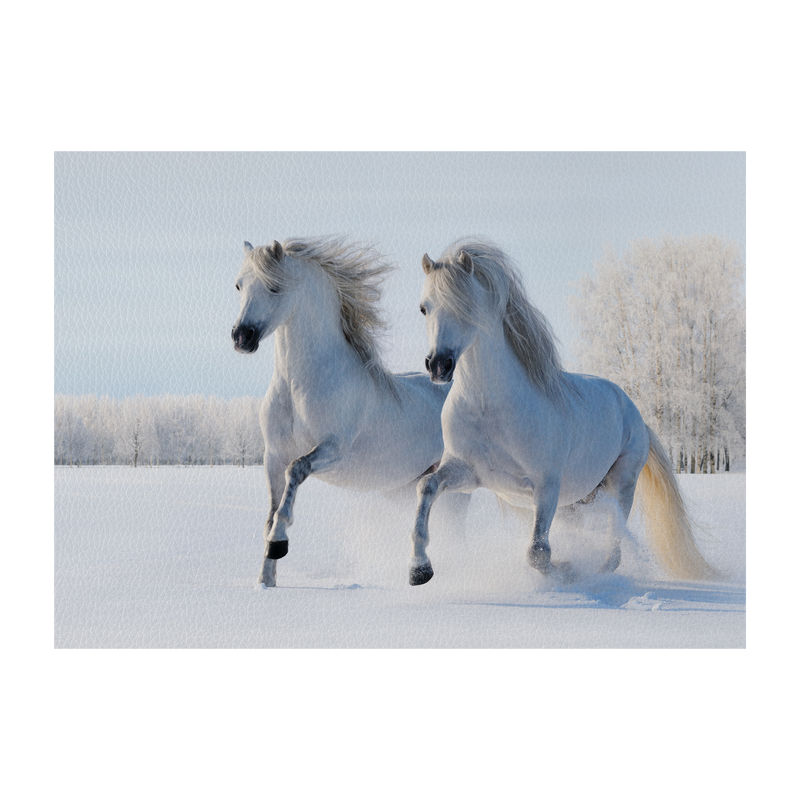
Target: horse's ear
[(276, 250), (427, 263), (247, 248), (465, 260)]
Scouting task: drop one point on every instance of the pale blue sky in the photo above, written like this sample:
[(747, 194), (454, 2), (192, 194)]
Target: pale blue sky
[(147, 245)]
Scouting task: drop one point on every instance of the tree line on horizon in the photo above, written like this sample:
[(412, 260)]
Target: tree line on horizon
[(140, 431)]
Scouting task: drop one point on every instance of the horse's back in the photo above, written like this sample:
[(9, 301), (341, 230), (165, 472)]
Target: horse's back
[(602, 399), (596, 396)]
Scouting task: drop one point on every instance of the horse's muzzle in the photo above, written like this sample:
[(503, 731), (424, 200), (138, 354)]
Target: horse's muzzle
[(245, 339), (440, 367)]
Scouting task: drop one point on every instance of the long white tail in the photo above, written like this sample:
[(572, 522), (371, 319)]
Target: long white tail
[(669, 530)]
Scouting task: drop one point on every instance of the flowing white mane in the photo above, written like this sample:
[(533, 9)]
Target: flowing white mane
[(527, 332), (356, 272)]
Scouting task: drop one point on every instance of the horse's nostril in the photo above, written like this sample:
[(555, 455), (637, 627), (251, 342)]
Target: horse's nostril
[(428, 364), (243, 336), (448, 365)]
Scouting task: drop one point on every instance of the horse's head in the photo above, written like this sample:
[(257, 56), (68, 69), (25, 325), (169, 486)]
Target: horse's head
[(263, 290), (449, 298)]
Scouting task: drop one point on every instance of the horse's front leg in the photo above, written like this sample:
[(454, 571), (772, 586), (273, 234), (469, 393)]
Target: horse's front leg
[(321, 458), (452, 476), (545, 500)]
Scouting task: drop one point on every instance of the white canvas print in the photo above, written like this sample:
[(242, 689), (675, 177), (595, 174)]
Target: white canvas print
[(400, 400)]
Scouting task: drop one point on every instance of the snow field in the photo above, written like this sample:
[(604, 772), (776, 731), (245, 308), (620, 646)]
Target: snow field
[(168, 557)]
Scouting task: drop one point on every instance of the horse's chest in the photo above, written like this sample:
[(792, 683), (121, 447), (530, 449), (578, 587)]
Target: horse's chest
[(484, 432), (296, 421), (508, 451), (478, 435)]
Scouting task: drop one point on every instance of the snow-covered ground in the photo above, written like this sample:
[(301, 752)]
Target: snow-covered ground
[(167, 557)]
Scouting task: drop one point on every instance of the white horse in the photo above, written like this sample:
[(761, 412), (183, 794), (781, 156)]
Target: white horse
[(332, 410), (536, 436)]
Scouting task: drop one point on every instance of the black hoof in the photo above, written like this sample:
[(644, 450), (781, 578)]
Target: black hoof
[(278, 550), (419, 575)]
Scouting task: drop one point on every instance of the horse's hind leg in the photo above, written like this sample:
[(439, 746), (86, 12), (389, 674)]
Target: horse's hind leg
[(275, 485), (268, 577), (620, 483)]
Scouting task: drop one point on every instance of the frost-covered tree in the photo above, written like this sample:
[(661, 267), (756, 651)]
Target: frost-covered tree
[(136, 440), (666, 321), (72, 436)]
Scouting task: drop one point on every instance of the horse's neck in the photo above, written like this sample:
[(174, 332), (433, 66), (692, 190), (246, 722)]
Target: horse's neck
[(489, 366), (310, 344)]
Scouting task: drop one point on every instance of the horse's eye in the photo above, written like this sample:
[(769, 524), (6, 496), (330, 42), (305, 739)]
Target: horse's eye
[(238, 288), (422, 309), (274, 290)]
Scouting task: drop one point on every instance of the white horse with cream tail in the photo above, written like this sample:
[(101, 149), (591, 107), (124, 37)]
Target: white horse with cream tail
[(536, 436), (332, 410)]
